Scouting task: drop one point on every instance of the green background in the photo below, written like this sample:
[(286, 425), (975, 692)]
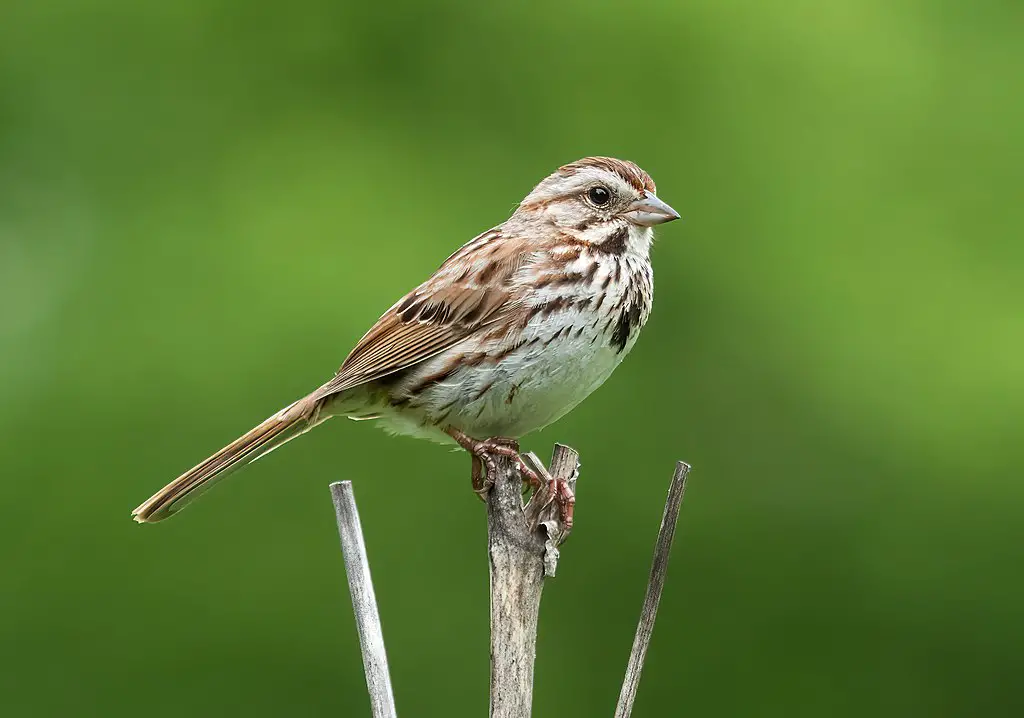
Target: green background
[(204, 204)]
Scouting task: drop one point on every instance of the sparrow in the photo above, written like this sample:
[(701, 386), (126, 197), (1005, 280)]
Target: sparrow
[(512, 331)]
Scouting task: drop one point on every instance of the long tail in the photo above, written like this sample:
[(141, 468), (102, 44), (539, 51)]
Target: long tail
[(283, 426)]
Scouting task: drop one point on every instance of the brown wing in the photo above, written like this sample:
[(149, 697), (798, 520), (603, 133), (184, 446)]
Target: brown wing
[(472, 289)]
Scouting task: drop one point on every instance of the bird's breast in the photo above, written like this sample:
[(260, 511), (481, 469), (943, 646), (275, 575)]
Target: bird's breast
[(575, 328)]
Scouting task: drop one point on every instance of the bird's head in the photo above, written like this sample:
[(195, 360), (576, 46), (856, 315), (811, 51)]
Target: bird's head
[(596, 199)]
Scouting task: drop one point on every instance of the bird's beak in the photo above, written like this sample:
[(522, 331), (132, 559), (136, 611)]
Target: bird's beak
[(649, 211)]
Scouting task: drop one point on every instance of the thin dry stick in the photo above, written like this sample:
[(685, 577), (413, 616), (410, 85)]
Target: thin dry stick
[(655, 583), (518, 549), (364, 602)]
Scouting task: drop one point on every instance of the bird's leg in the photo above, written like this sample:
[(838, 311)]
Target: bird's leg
[(483, 453)]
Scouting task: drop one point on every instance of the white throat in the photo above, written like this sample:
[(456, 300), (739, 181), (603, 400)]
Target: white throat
[(640, 240)]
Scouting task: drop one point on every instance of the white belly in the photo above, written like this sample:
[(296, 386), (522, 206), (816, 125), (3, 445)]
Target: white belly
[(566, 358), (558, 360), (534, 388)]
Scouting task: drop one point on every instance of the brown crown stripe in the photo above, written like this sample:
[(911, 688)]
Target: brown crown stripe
[(629, 171)]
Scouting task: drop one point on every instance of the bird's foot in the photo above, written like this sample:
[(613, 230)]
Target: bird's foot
[(565, 499), (483, 453)]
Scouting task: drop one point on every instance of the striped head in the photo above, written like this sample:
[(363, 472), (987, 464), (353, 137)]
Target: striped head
[(595, 197)]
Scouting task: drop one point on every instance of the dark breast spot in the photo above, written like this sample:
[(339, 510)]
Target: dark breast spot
[(628, 323)]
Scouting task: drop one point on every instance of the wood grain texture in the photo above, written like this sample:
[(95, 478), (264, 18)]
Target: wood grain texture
[(364, 602), (518, 547)]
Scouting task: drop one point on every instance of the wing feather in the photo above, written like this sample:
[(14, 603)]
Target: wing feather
[(474, 288)]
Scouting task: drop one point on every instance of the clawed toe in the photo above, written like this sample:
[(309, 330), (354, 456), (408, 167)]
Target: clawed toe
[(529, 475), (483, 453), (481, 484), (566, 500)]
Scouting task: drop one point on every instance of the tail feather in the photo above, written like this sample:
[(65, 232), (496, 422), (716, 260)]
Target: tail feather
[(283, 426)]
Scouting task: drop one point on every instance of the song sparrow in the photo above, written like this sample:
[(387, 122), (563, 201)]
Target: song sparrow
[(514, 329)]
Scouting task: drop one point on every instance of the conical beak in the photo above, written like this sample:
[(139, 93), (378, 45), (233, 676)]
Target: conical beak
[(649, 211)]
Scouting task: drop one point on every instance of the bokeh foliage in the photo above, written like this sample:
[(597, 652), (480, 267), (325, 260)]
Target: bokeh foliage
[(204, 203)]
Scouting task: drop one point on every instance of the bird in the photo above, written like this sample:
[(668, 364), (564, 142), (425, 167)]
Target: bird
[(511, 332)]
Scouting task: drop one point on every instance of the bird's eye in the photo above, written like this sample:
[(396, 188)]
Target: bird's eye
[(599, 195)]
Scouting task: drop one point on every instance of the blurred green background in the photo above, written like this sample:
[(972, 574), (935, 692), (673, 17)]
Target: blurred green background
[(204, 204)]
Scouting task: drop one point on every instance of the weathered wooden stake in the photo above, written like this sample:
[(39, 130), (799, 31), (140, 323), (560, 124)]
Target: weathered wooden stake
[(364, 602), (522, 548), (656, 582)]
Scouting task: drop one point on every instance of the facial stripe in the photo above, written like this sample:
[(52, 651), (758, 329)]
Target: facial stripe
[(615, 243)]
